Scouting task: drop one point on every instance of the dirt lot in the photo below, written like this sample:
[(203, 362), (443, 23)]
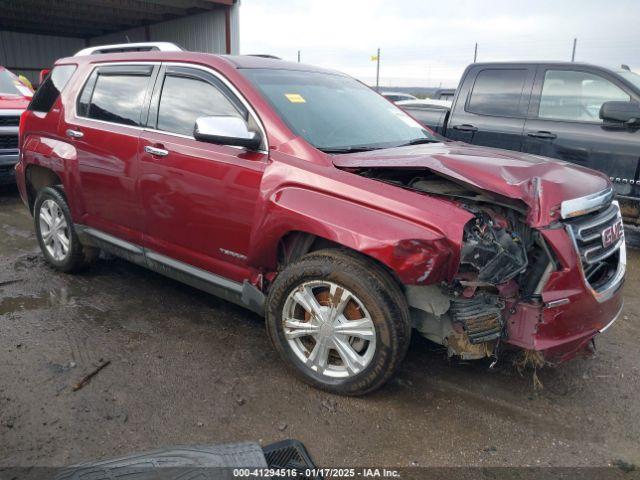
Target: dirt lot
[(188, 368)]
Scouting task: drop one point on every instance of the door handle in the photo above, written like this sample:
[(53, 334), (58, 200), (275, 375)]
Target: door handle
[(543, 134), (74, 133), (465, 128), (155, 151)]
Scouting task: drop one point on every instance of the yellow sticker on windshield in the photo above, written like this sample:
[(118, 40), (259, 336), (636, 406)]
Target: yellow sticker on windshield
[(295, 98)]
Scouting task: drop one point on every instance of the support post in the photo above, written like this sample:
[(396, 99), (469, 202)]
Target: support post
[(378, 71)]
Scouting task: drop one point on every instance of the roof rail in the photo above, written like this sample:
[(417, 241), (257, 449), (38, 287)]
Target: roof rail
[(130, 47), (263, 55)]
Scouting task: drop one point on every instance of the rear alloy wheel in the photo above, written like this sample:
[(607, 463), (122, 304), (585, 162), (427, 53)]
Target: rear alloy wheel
[(54, 230), (56, 234), (339, 320)]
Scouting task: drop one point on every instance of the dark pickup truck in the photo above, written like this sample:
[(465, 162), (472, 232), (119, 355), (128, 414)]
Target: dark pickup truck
[(584, 114)]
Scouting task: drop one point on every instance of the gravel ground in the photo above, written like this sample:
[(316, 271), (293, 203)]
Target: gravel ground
[(188, 368)]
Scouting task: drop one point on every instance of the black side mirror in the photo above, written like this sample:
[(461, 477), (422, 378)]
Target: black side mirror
[(226, 130), (622, 112)]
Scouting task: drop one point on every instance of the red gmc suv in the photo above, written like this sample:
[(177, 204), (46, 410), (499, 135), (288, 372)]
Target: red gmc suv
[(305, 196)]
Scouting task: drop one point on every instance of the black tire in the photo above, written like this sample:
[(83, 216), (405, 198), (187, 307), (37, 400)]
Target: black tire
[(78, 256), (378, 292)]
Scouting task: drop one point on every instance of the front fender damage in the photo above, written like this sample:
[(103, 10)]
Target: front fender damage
[(417, 261)]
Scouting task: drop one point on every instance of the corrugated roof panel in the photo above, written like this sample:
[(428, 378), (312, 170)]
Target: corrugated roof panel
[(27, 54), (204, 32)]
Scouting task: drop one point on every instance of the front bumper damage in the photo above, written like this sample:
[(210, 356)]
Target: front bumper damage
[(572, 312), (578, 296)]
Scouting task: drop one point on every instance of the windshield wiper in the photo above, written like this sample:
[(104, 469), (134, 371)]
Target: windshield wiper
[(363, 148), (347, 149), (419, 141)]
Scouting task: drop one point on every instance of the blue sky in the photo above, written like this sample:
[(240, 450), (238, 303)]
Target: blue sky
[(429, 43)]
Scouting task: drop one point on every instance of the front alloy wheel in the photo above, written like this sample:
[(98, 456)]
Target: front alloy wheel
[(329, 329), (339, 320)]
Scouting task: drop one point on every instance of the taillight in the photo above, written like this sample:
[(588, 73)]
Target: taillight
[(21, 128)]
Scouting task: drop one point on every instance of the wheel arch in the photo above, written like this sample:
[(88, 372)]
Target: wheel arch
[(295, 244), (38, 177)]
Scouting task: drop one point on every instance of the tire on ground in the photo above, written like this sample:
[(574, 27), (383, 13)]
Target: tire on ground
[(379, 293)]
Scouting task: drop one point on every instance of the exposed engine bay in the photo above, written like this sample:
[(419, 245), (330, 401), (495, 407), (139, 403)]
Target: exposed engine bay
[(502, 261)]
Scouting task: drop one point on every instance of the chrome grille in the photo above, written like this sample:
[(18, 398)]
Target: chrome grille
[(588, 233), (9, 121), (8, 141), (598, 249)]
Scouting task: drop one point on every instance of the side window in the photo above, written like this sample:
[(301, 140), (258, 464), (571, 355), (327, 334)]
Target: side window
[(49, 91), (576, 96), (498, 92), (116, 95), (185, 99)]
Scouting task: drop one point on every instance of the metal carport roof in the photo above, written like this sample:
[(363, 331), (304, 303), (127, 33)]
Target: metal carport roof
[(92, 18)]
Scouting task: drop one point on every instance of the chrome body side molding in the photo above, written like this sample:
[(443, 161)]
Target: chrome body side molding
[(105, 237), (243, 294), (194, 271)]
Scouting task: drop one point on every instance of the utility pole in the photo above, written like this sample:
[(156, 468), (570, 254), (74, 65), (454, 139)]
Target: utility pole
[(378, 71), (573, 53), (298, 56), (475, 53)]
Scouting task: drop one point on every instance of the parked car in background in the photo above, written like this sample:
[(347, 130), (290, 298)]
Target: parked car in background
[(14, 98), (397, 96), (444, 94), (426, 102), (305, 196), (584, 114)]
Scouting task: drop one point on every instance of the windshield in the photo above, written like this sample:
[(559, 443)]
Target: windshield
[(336, 113), (11, 85), (631, 77)]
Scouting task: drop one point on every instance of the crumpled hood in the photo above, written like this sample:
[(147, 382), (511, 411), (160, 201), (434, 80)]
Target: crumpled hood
[(541, 183)]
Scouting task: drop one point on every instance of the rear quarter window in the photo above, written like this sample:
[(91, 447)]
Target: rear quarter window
[(49, 91)]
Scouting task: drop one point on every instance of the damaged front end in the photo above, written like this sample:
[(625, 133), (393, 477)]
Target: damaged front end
[(494, 275), (546, 290)]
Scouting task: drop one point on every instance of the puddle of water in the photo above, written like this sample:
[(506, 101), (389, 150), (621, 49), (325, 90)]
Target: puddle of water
[(54, 298), (21, 304)]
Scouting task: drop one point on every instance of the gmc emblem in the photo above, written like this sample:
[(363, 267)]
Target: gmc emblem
[(612, 234)]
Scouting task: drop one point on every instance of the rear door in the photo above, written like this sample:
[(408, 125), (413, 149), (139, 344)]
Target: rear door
[(491, 106), (565, 123), (199, 198), (105, 130)]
